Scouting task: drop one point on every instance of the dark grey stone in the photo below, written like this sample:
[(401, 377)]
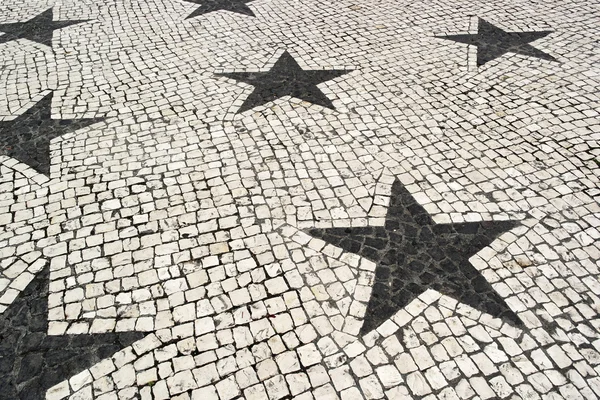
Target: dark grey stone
[(493, 42), (208, 6), (286, 78), (414, 254), (27, 137), (31, 361), (38, 29)]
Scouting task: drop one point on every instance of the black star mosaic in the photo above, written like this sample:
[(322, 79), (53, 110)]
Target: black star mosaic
[(286, 78), (27, 137), (414, 254), (31, 361), (207, 6), (38, 29), (493, 42)]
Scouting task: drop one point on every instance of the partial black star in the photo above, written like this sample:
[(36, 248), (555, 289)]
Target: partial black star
[(31, 361), (207, 6), (286, 78), (38, 29), (493, 42), (414, 254), (27, 137)]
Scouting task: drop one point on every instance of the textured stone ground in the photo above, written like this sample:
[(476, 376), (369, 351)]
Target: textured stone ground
[(275, 199)]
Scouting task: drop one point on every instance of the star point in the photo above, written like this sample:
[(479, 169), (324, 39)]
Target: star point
[(412, 254)]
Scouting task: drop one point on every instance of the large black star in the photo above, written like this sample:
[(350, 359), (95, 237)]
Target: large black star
[(493, 42), (27, 137), (38, 29), (414, 254), (31, 361), (286, 78), (207, 6)]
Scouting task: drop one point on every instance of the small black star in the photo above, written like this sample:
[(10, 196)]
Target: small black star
[(27, 137), (38, 29), (207, 6), (286, 78), (492, 42), (31, 361), (414, 254)]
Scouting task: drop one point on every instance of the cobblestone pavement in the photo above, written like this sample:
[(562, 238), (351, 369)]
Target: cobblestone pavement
[(312, 200)]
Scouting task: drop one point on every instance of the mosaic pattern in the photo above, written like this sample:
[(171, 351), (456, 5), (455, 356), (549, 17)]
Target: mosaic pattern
[(492, 42), (33, 361), (414, 254), (38, 29), (299, 200), (207, 6), (27, 137), (286, 78)]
